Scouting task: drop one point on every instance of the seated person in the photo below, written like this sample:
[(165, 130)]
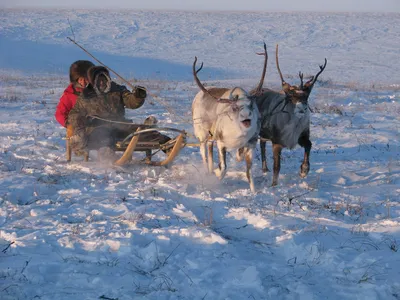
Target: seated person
[(78, 81), (98, 117)]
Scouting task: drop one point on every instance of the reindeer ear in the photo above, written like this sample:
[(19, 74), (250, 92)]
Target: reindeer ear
[(308, 85), (286, 87)]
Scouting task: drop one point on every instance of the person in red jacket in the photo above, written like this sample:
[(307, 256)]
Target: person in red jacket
[(78, 81)]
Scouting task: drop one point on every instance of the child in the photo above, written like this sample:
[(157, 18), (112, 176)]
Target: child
[(78, 81)]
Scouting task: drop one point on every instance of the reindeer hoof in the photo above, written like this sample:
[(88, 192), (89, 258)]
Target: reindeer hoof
[(239, 155), (275, 178), (239, 158), (304, 169), (219, 174)]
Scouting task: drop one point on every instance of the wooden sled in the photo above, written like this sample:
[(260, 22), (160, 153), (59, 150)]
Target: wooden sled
[(132, 144)]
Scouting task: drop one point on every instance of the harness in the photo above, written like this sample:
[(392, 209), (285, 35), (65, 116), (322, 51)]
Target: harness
[(277, 112)]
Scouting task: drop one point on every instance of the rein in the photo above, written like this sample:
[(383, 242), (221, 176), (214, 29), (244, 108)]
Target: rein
[(147, 128), (277, 112), (280, 111)]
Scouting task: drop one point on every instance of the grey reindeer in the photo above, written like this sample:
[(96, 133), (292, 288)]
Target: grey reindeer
[(285, 120)]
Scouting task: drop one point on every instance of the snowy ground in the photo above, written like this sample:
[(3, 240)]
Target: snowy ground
[(89, 231)]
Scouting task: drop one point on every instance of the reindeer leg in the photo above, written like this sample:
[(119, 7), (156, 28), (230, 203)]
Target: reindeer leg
[(221, 170), (263, 156), (203, 151), (249, 153), (210, 156), (239, 154), (304, 141), (277, 149)]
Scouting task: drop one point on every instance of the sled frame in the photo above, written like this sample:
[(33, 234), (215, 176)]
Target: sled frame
[(132, 144)]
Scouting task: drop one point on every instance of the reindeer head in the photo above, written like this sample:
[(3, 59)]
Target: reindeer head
[(298, 95), (240, 102)]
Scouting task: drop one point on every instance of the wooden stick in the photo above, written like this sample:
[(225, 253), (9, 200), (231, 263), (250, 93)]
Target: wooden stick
[(128, 152), (119, 76), (155, 97), (174, 152)]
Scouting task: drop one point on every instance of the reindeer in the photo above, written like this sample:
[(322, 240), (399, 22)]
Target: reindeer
[(285, 120), (231, 118)]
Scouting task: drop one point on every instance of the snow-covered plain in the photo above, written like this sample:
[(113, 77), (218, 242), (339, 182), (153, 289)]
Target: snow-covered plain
[(91, 231)]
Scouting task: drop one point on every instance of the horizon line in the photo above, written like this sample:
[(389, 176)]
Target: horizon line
[(61, 7)]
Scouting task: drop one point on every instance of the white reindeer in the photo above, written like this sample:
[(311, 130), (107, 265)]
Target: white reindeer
[(231, 118), (285, 120)]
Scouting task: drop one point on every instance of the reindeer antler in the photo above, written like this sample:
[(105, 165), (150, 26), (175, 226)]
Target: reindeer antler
[(204, 90), (301, 79), (285, 85), (314, 78), (196, 78), (277, 65), (200, 85), (258, 89)]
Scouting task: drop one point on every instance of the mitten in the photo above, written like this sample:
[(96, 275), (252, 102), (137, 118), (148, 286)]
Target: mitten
[(139, 92)]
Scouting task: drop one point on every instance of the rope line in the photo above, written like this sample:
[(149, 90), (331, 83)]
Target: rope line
[(155, 97)]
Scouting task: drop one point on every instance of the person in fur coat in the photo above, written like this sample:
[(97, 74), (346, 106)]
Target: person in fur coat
[(78, 81), (100, 102)]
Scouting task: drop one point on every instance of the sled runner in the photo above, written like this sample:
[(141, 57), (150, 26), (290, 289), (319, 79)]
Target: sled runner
[(132, 143)]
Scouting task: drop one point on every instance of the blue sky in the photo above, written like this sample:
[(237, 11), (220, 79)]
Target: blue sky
[(263, 5)]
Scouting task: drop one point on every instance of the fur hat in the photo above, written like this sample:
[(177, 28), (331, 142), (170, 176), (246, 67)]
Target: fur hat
[(97, 74), (79, 69)]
